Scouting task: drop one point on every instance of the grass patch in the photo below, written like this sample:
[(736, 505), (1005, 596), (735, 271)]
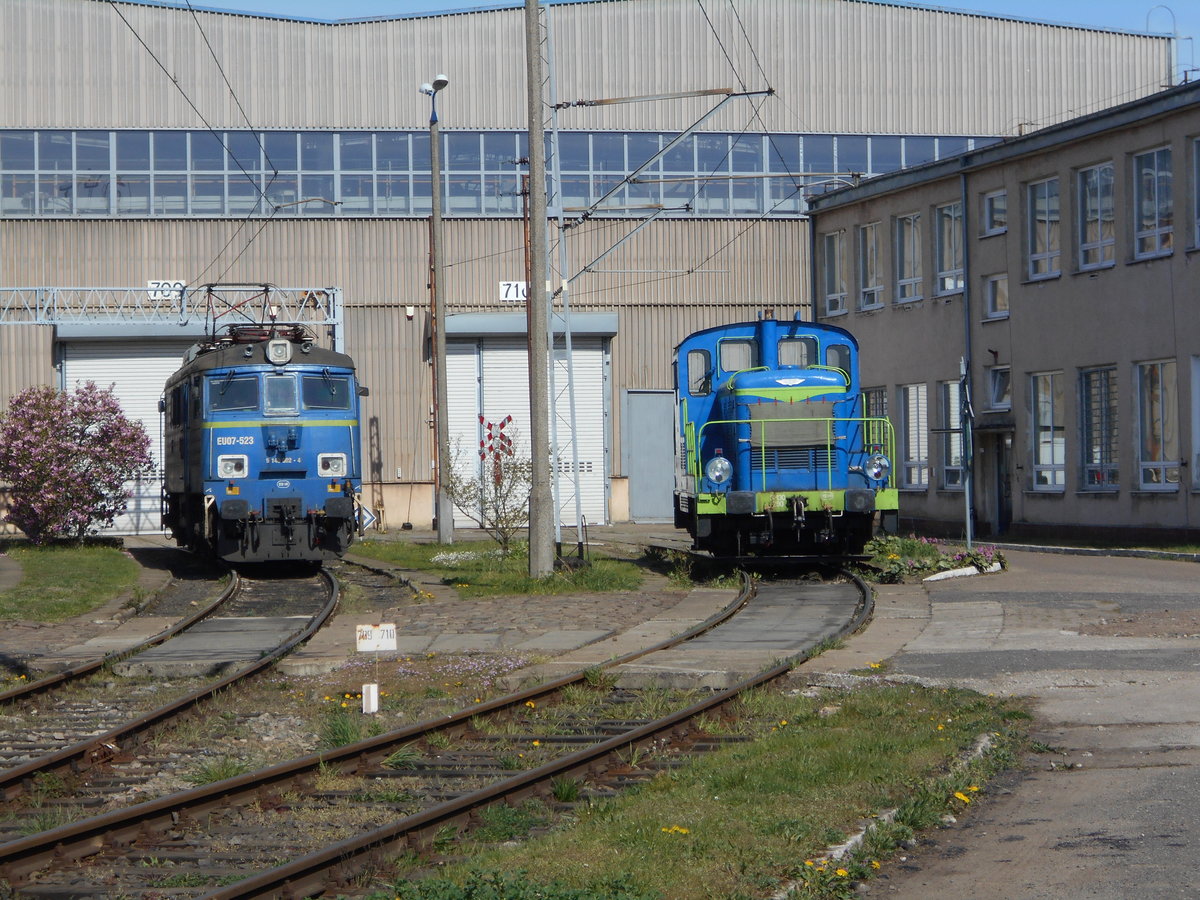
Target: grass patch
[(741, 821), (213, 770), (61, 582), (476, 569)]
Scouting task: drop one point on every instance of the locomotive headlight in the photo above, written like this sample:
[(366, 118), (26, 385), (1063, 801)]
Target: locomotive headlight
[(877, 467), (331, 465), (232, 466), (279, 351), (719, 470)]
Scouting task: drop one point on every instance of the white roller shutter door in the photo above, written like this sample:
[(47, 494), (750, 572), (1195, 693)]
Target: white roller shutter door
[(490, 378), (592, 476), (137, 370), (462, 392)]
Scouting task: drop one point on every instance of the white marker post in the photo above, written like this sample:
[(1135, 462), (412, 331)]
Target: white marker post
[(373, 639)]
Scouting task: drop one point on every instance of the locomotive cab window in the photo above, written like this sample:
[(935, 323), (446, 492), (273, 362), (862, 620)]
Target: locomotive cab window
[(226, 392), (738, 355), (798, 351), (838, 356), (699, 372), (281, 395), (325, 392)]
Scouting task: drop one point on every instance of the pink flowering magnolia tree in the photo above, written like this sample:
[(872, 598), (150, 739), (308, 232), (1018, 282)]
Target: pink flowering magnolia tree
[(66, 458)]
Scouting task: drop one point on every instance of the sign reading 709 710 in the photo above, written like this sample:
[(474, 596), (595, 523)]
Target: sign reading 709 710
[(165, 290)]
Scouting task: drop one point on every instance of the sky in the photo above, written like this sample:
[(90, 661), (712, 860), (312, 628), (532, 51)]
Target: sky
[(1181, 17)]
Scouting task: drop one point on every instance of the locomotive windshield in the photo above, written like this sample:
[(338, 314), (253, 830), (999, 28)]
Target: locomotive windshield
[(233, 393), (281, 395), (800, 351), (738, 355), (325, 392)]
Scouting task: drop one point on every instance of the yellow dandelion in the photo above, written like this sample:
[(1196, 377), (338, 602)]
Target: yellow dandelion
[(537, 743), (973, 788), (344, 704), (941, 727), (478, 699), (347, 696), (530, 704), (808, 862), (961, 796), (841, 873), (874, 864), (876, 665), (327, 697), (783, 721)]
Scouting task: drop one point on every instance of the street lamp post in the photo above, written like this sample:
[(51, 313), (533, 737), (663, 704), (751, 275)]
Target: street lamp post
[(443, 508)]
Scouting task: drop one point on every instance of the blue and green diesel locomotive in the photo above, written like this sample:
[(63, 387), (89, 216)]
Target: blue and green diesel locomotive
[(261, 447), (774, 454)]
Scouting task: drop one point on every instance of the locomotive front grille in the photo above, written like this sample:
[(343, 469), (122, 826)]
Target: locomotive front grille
[(789, 425), (813, 458)]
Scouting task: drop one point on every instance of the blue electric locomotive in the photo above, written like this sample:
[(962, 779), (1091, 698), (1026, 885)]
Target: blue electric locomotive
[(774, 453), (261, 447)]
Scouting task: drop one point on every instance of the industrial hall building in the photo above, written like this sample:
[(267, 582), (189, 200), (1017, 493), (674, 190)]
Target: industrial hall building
[(166, 168), (1028, 318)]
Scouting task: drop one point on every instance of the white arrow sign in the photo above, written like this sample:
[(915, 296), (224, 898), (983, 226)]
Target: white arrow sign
[(366, 518)]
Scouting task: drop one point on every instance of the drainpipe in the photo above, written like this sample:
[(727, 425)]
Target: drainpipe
[(968, 413), (812, 268)]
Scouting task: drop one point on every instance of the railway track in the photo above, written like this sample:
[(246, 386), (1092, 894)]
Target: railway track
[(318, 823), (58, 731)]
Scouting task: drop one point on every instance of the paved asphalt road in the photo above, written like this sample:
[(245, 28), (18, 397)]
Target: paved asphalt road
[(1110, 649)]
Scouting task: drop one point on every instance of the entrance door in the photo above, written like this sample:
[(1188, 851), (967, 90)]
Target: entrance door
[(1003, 486), (648, 453)]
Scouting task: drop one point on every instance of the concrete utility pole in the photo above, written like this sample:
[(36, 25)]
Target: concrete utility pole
[(443, 509), (541, 502)]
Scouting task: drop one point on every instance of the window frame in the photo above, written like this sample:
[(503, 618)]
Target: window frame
[(991, 295), (1168, 458), (1099, 430), (950, 406), (724, 344), (906, 244), (998, 376), (914, 436), (698, 369), (220, 385), (870, 272), (1048, 458), (1161, 234), (833, 271), (948, 227), (993, 216), (271, 395), (875, 410), (1196, 204), (1045, 263), (1091, 197)]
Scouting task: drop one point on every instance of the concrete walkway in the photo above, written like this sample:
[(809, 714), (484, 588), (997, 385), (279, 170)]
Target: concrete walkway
[(1109, 648)]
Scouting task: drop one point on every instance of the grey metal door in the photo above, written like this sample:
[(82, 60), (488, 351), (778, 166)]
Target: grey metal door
[(647, 453)]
